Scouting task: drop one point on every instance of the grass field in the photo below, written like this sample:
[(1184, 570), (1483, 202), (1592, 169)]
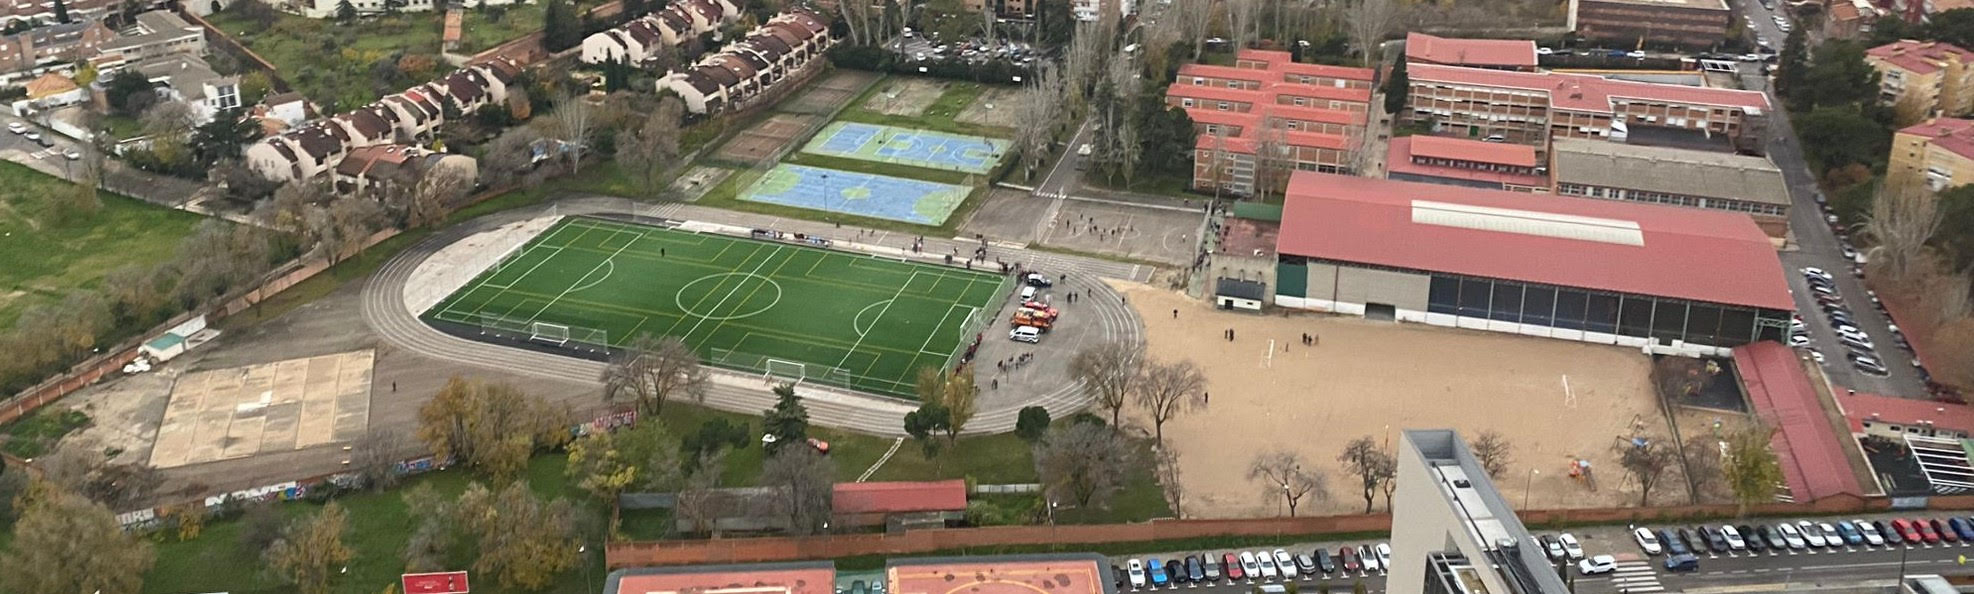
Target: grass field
[(837, 318), (40, 262), (335, 63)]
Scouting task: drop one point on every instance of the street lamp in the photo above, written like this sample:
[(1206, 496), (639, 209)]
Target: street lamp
[(1527, 485), (581, 549)]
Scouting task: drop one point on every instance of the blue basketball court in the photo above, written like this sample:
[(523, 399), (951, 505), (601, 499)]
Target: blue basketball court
[(861, 194), (907, 146)]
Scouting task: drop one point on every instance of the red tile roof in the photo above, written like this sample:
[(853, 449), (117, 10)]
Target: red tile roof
[(1646, 249), (1907, 411), (1583, 92), (1461, 149), (1810, 450), (899, 497), (1920, 57), (1211, 93), (1222, 72), (1311, 114), (1202, 115), (1283, 62), (1420, 47), (1398, 159), (1318, 91), (1953, 135)]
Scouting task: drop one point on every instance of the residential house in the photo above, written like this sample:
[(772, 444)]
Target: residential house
[(320, 146), (50, 90), (1932, 78), (640, 39), (769, 54), (187, 78), (156, 34), (1849, 19), (396, 164), (52, 46)]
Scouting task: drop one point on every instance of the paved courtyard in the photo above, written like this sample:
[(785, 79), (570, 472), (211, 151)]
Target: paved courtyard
[(236, 412)]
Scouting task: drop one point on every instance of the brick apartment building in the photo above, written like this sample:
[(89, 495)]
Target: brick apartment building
[(1937, 77), (1660, 23), (1310, 116), (1533, 107)]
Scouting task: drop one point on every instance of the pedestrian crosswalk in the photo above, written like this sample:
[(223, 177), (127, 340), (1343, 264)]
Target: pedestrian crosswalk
[(1636, 576)]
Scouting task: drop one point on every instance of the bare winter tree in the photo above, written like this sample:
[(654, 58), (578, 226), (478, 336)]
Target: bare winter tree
[(802, 479), (648, 150), (573, 125), (1271, 160), (374, 458), (651, 370), (1372, 465), (1369, 20), (1281, 473), (1903, 219), (1241, 15), (700, 501), (1167, 389), (1493, 451), (1110, 374), (1646, 463), (425, 202), (1040, 106), (1195, 18), (1081, 463), (1081, 66), (1168, 479)]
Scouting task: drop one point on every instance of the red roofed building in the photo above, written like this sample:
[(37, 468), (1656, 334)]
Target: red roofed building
[(1894, 417), (1809, 449), (1500, 54), (1939, 152), (1309, 116), (1532, 107), (1466, 163), (1678, 280), (1935, 77), (906, 503)]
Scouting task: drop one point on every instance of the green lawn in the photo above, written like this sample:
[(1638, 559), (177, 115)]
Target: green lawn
[(841, 319), (30, 437), (41, 260), (335, 63)]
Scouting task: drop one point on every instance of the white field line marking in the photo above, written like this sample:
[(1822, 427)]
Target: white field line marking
[(881, 460), (592, 270), (735, 289), (942, 324), (880, 316)]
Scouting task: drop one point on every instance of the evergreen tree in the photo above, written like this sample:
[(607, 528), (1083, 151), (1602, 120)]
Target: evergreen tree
[(61, 11), (561, 28), (1793, 69), (1397, 87), (788, 421), (345, 11)]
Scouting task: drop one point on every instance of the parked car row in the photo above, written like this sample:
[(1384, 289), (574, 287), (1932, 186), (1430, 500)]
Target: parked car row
[(1859, 350), (1251, 566), (1804, 534)]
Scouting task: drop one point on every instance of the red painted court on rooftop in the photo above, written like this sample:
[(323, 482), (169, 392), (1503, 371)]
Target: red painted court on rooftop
[(1064, 576)]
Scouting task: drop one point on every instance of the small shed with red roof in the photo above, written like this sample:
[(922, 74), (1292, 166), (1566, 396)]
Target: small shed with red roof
[(1810, 450), (899, 504)]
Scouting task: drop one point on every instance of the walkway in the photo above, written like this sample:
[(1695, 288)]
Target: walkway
[(385, 311)]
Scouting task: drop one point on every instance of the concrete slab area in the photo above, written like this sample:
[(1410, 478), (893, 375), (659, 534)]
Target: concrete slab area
[(236, 412)]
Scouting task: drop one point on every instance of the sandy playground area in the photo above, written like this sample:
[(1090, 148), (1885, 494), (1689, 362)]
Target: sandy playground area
[(1376, 378)]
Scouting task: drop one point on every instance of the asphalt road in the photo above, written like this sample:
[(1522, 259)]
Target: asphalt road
[(1817, 245)]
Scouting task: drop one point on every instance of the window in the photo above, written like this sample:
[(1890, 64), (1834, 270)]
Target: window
[(1507, 305), (1538, 305), (1223, 106), (1443, 295), (1186, 102), (1474, 295), (1600, 313)]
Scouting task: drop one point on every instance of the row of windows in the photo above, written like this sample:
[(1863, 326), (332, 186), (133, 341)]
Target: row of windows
[(1473, 165), (1595, 311), (1673, 199)]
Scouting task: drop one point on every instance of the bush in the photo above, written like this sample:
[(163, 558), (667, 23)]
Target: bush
[(1032, 423)]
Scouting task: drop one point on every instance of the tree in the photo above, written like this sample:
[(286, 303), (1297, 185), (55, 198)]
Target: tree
[(1372, 465), (1241, 23), (523, 541), (954, 393), (345, 12), (1368, 22), (606, 463), (89, 473), (170, 118), (492, 427), (424, 203), (1750, 466), (1109, 374), (926, 423), (1281, 474), (260, 525), (787, 422), (66, 543), (1167, 389), (310, 551), (651, 370), (803, 481), (130, 93), (597, 467), (225, 136), (1031, 423), (1646, 460), (561, 28), (648, 151), (700, 501), (1397, 88), (1839, 135), (572, 125), (1493, 451), (1903, 220), (1792, 66), (1081, 462), (435, 536), (1166, 470), (374, 458), (714, 436)]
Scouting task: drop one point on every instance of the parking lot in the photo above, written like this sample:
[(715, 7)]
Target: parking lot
[(917, 48)]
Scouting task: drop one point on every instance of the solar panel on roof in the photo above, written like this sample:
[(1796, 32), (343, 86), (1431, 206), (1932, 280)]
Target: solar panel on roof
[(1527, 222)]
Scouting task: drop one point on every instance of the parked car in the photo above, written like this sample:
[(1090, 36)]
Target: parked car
[(1212, 568), (1570, 546), (1324, 561), (1716, 541), (1792, 535), (1350, 560), (1195, 570), (1233, 565), (1267, 563), (1178, 570), (1849, 533), (1137, 571), (1119, 577), (1694, 544), (1811, 535), (17, 127), (1646, 541), (1733, 537), (1755, 542), (1249, 564), (1553, 547), (1946, 533), (1285, 564), (1671, 542), (1598, 564), (1305, 564), (1893, 535), (1870, 532), (1682, 563), (1369, 558), (1156, 569), (1926, 531), (1907, 531), (1384, 554), (1773, 538), (1962, 527)]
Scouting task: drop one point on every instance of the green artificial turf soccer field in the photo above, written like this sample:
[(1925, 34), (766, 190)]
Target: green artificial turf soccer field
[(856, 320)]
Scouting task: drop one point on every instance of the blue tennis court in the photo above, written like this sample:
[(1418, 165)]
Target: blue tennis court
[(861, 194), (906, 146)]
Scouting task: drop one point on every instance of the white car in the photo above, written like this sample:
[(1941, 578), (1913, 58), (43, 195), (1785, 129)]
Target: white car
[(1286, 563), (1267, 565), (1791, 536), (1647, 541), (1570, 546), (1369, 558), (16, 127), (1734, 540), (1543, 51), (1137, 571), (1598, 564), (1817, 272), (1812, 534), (1249, 566), (1384, 554), (1831, 534), (1870, 532)]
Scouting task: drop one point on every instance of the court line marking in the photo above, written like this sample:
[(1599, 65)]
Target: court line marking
[(571, 288), (736, 288), (880, 316)]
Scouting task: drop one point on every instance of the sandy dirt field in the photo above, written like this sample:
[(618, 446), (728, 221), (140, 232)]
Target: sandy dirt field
[(1375, 378), (994, 107), (905, 96)]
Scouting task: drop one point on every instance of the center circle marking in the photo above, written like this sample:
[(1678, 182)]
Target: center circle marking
[(679, 298)]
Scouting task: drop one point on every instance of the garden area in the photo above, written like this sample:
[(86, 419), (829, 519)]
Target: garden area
[(49, 247)]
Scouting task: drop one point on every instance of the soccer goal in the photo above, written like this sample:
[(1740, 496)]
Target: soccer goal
[(555, 334), (784, 370)]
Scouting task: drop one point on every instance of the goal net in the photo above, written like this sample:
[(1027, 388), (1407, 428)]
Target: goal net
[(789, 371), (555, 334)]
